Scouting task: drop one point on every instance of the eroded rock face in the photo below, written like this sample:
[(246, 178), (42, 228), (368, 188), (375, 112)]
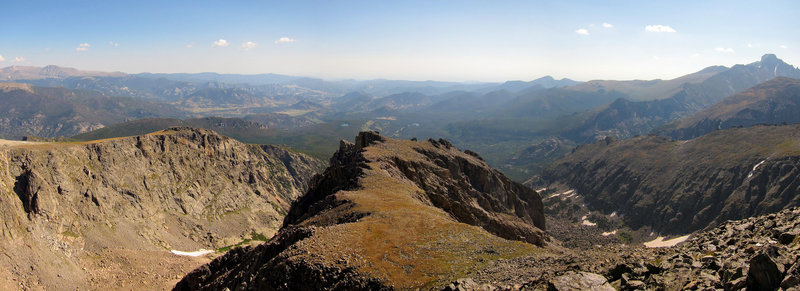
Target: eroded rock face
[(678, 187), (387, 214), (182, 189)]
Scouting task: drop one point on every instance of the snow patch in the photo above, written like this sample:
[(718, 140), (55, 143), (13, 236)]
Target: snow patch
[(659, 242), (607, 233), (754, 169), (569, 194), (587, 222), (201, 252)]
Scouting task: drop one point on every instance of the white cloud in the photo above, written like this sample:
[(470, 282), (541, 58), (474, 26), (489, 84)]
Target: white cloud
[(694, 55), (783, 46), (656, 58), (750, 45), (724, 50), (608, 25), (659, 28), (285, 40), (2, 59), (582, 31), (19, 59), (191, 45), (221, 43), (249, 45), (83, 47), (112, 43)]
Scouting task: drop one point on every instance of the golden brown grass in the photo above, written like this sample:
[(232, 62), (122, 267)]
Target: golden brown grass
[(403, 241)]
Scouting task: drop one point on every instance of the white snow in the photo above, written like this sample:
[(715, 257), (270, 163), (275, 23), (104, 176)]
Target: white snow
[(201, 252), (754, 169), (569, 194), (659, 242), (607, 233), (587, 222)]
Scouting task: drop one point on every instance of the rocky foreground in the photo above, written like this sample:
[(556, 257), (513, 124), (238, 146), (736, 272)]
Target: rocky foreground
[(759, 253), (106, 214)]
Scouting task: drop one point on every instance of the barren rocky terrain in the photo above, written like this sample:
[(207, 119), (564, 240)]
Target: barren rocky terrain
[(106, 214)]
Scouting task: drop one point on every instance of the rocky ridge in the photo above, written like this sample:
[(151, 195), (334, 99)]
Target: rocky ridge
[(106, 213), (388, 214)]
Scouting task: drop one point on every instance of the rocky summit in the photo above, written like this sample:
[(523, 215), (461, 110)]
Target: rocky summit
[(106, 214), (388, 214)]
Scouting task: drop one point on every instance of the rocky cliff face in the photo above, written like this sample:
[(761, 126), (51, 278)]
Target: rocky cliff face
[(388, 214), (71, 209), (684, 186)]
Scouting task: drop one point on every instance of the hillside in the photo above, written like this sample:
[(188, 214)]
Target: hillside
[(388, 214), (773, 102), (677, 187), (49, 112), (106, 214)]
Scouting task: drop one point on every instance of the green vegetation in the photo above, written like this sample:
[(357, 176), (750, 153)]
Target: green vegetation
[(254, 236), (625, 236)]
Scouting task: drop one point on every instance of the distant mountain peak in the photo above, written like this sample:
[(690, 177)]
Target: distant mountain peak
[(769, 58)]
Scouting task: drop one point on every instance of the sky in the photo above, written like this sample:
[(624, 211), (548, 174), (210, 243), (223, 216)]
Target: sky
[(410, 40)]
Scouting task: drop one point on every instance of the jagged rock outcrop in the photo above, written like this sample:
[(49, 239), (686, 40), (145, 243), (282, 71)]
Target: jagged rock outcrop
[(388, 214), (678, 187), (69, 209)]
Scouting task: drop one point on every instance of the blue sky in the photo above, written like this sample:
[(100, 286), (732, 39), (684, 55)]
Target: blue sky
[(414, 40)]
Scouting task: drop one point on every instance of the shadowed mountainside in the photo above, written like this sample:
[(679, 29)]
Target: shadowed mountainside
[(683, 186)]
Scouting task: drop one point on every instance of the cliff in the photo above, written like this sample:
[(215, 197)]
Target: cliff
[(678, 187), (106, 213)]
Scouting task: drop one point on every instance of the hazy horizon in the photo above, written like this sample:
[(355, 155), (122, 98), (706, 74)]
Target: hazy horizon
[(442, 41)]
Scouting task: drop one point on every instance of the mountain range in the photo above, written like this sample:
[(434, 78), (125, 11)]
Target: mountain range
[(142, 191), (773, 102)]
